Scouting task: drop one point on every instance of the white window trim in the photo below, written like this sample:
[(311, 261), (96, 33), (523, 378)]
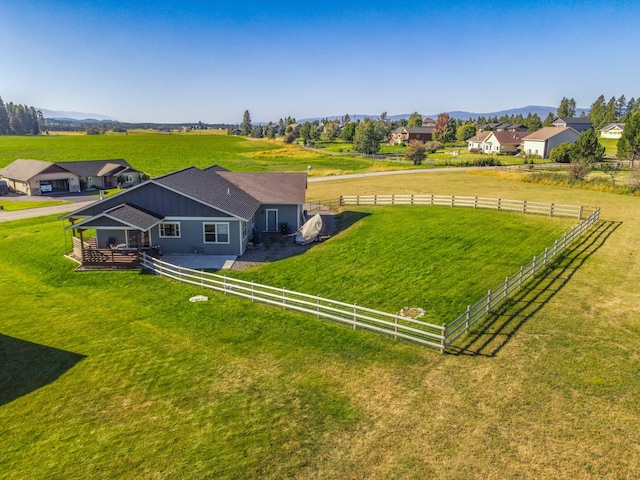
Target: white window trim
[(204, 234), (161, 235)]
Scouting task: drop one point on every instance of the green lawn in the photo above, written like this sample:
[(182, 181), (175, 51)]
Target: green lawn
[(160, 153), (440, 259), (23, 205), (117, 375)]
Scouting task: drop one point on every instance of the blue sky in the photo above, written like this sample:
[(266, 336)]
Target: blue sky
[(186, 61)]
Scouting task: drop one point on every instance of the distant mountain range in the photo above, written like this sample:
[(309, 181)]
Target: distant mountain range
[(69, 116), (524, 111), (462, 115)]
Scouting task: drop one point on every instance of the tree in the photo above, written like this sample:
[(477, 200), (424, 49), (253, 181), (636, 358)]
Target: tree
[(4, 119), (621, 107), (547, 121), (367, 137), (567, 107), (561, 153), (444, 130), (245, 129), (416, 152), (587, 148), (348, 132), (331, 131), (305, 132), (629, 143), (532, 122), (466, 131), (256, 132), (415, 120), (596, 113)]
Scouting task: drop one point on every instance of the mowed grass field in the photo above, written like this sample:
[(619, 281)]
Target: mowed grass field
[(117, 375), (160, 153)]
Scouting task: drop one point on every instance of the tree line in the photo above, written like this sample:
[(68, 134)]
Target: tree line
[(16, 119)]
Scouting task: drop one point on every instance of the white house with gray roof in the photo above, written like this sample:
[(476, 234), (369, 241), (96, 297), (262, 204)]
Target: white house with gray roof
[(211, 211), (542, 141), (39, 177)]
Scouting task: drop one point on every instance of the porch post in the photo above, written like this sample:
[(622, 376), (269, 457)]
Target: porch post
[(80, 230)]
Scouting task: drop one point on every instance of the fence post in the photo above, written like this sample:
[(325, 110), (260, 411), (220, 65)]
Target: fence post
[(442, 340), (375, 199), (544, 261), (468, 317), (533, 266), (580, 213), (412, 199), (355, 312), (475, 202), (317, 306), (224, 284), (506, 287), (396, 329), (524, 206), (340, 202), (284, 299), (499, 202), (453, 200), (202, 279), (431, 201), (488, 301), (393, 199), (551, 210)]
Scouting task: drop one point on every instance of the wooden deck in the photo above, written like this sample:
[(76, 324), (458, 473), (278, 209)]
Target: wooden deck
[(89, 255)]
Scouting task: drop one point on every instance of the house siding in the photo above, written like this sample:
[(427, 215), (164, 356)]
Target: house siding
[(286, 214), (192, 238), (545, 146), (158, 199)]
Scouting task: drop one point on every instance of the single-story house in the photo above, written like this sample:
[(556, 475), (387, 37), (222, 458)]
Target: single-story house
[(579, 124), (211, 211), (613, 130), (39, 177), (477, 141), (503, 142), (102, 174), (403, 135), (546, 139)]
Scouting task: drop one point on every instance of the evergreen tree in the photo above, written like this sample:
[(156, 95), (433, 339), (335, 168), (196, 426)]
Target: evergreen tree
[(621, 107), (567, 107), (4, 119), (245, 129), (597, 113), (629, 143), (547, 121), (587, 148)]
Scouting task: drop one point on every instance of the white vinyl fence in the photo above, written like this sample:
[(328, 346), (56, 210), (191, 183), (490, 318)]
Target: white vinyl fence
[(522, 206), (435, 336), (351, 314)]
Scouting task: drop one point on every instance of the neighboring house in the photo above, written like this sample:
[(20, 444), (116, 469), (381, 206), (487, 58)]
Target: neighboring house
[(211, 211), (544, 140), (613, 130), (489, 126), (102, 174), (38, 177), (579, 124), (477, 141), (503, 142), (428, 122), (403, 135)]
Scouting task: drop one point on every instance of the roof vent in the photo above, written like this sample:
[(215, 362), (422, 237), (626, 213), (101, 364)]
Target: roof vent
[(228, 191)]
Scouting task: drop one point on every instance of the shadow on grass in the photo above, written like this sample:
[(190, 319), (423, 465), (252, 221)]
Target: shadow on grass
[(494, 332), (346, 219), (26, 366)]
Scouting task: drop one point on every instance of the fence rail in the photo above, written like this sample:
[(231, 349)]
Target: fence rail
[(351, 314), (495, 297), (431, 335), (523, 206)]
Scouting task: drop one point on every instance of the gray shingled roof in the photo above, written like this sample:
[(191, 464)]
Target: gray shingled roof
[(275, 188), (24, 169), (134, 216), (210, 188), (95, 168)]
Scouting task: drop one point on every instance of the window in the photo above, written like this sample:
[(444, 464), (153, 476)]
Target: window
[(216, 232), (244, 230), (129, 178), (170, 230)]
